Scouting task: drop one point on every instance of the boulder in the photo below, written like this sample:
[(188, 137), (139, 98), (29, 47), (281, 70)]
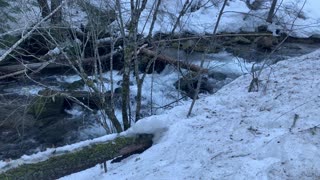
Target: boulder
[(48, 103), (266, 42), (157, 65), (188, 84), (262, 28), (73, 86), (218, 76)]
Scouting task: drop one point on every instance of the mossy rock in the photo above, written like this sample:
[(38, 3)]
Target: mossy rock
[(73, 86), (266, 42), (48, 103), (241, 40)]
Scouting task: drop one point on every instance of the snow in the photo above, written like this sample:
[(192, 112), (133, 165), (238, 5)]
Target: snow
[(236, 18), (234, 134)]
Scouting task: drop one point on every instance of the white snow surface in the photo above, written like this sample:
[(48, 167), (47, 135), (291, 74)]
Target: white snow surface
[(237, 17), (270, 134)]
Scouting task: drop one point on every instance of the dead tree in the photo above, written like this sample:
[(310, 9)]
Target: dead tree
[(271, 11)]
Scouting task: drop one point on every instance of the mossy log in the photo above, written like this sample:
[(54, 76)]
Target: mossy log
[(62, 165), (62, 63)]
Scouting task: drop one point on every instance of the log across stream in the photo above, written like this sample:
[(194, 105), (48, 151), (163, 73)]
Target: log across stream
[(65, 164)]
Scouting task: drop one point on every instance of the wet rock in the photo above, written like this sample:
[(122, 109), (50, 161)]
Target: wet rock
[(262, 28), (73, 86), (157, 66), (266, 42), (118, 90), (218, 76), (188, 84), (48, 103)]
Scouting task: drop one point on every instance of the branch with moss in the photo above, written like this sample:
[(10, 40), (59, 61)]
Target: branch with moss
[(62, 165)]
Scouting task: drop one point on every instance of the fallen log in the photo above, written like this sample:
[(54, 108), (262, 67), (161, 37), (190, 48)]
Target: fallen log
[(13, 74), (49, 65), (62, 165), (172, 61)]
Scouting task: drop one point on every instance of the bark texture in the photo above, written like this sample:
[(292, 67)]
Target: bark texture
[(66, 164)]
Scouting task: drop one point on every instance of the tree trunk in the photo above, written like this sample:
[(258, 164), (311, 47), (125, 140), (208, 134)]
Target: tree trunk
[(126, 87), (62, 165), (49, 65), (56, 17), (44, 7), (271, 11), (202, 62)]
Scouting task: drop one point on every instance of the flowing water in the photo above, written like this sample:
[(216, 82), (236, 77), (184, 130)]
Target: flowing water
[(76, 124)]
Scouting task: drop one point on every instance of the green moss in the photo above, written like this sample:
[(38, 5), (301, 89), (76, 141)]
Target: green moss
[(65, 164), (48, 104), (74, 85)]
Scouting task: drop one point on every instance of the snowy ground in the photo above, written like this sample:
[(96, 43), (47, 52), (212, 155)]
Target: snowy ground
[(270, 134), (236, 18)]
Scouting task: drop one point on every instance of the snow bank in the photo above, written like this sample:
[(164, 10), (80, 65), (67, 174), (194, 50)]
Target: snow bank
[(199, 19), (233, 134), (236, 18)]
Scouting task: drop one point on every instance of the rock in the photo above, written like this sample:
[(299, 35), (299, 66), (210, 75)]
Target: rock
[(265, 42), (189, 45), (49, 103), (188, 84), (118, 90), (241, 40), (218, 76), (73, 86), (157, 66), (262, 28)]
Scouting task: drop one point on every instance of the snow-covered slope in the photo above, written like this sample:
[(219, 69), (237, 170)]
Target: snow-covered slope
[(237, 17), (199, 19), (233, 134)]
